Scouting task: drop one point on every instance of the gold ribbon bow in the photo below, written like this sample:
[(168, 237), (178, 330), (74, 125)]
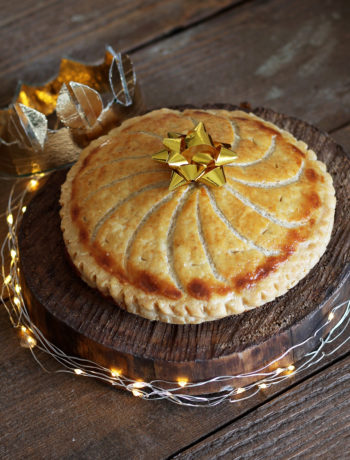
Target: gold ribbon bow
[(195, 157)]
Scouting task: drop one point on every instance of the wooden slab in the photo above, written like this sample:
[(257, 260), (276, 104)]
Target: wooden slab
[(79, 320)]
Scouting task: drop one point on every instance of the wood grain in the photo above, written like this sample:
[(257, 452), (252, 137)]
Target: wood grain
[(292, 59), (342, 136), (55, 28), (311, 420), (80, 321), (60, 416)]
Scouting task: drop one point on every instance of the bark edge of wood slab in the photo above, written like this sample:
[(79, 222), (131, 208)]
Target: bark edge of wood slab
[(82, 322)]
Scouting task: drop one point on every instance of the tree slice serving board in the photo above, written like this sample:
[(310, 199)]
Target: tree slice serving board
[(82, 322)]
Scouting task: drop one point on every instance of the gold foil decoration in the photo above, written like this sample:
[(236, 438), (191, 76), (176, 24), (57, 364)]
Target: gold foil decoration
[(78, 106), (195, 158), (46, 126)]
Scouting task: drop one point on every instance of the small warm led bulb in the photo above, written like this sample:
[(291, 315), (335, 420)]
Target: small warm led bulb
[(78, 371), (13, 253), (240, 390), (17, 301), (263, 386), (24, 208), (33, 185), (7, 279), (18, 288), (115, 372), (182, 382), (27, 340), (279, 370), (31, 341), (331, 316), (136, 393), (139, 384), (291, 368), (10, 219)]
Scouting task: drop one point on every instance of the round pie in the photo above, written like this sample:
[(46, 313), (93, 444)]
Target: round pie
[(201, 251)]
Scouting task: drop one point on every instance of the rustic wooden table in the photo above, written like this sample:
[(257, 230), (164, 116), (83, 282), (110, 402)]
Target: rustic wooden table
[(292, 56)]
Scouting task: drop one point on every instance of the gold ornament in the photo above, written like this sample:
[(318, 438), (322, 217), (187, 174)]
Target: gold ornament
[(46, 126), (195, 158)]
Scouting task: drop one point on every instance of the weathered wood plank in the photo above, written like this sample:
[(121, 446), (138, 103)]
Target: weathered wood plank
[(342, 136), (311, 420), (37, 35), (292, 59), (63, 416), (11, 13)]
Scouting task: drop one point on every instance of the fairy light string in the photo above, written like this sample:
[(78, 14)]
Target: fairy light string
[(33, 339)]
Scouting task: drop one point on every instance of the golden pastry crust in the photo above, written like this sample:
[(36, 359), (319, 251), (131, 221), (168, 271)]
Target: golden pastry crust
[(198, 253)]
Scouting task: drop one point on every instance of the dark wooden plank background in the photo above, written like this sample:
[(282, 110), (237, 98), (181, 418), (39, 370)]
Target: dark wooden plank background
[(38, 34), (290, 56)]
